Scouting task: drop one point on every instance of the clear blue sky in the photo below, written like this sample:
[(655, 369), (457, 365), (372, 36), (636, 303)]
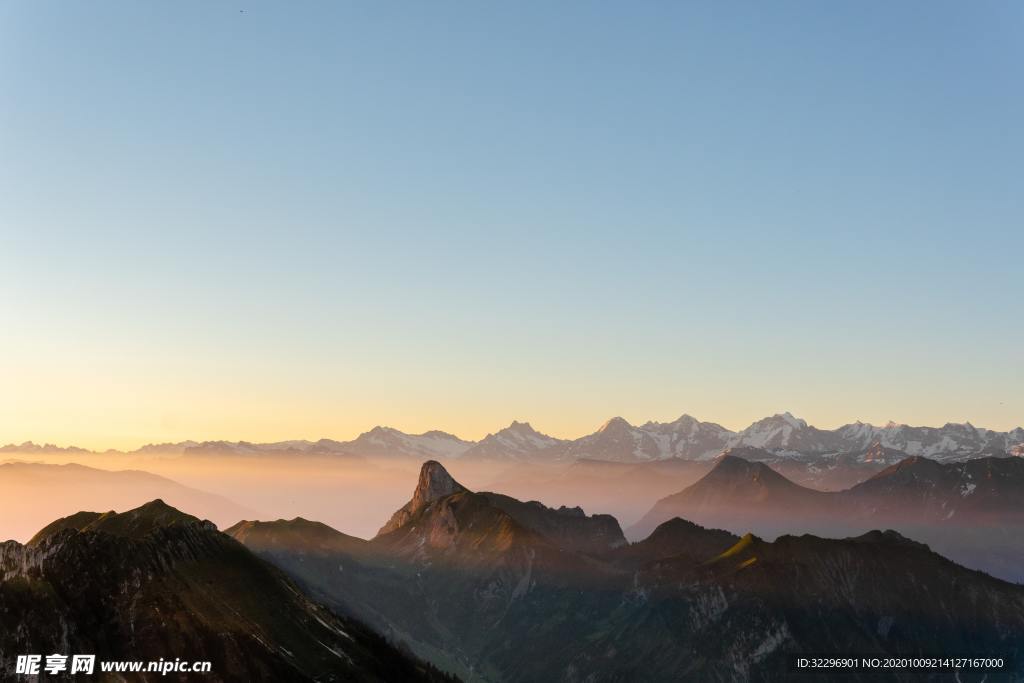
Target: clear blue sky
[(300, 220)]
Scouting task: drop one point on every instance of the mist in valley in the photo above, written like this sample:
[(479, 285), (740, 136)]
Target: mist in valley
[(352, 494)]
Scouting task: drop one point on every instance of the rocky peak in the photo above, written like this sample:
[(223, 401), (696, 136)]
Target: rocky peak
[(520, 431), (434, 484)]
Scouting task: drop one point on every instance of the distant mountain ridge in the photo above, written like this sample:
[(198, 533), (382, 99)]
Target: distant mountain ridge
[(32, 494), (970, 511), (619, 441)]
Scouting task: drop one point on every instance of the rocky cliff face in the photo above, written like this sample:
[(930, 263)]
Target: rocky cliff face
[(434, 483)]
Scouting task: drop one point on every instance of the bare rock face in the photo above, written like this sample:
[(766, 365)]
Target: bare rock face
[(434, 484)]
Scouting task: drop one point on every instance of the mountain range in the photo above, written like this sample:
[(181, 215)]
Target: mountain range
[(154, 583), (971, 511), (473, 581), (619, 441)]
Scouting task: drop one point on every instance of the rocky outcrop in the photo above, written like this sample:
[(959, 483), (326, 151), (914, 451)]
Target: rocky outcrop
[(434, 483)]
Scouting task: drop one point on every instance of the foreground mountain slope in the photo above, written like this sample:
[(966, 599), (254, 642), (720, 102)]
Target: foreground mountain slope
[(452, 566), (757, 603), (471, 587), (156, 583)]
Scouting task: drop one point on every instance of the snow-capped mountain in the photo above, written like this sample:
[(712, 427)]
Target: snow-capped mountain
[(615, 441), (48, 448), (619, 441), (952, 441), (385, 441), (688, 438), (379, 442), (783, 435), (237, 448), (518, 441)]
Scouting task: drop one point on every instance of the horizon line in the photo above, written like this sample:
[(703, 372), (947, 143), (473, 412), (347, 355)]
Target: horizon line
[(783, 414)]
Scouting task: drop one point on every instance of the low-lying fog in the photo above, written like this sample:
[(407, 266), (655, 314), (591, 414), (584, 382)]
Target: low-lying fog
[(353, 495)]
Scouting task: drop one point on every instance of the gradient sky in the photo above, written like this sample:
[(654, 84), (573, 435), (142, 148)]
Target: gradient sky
[(297, 221)]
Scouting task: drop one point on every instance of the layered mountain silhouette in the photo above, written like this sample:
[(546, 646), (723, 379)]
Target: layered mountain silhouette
[(976, 493), (296, 535), (731, 491), (472, 581), (32, 494), (156, 583), (971, 511)]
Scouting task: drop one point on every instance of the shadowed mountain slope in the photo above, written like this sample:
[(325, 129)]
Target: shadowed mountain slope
[(472, 587), (969, 511), (298, 535), (156, 583), (731, 493)]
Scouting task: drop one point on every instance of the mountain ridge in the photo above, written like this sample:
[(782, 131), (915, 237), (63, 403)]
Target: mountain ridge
[(153, 582), (618, 440), (969, 511), (473, 589)]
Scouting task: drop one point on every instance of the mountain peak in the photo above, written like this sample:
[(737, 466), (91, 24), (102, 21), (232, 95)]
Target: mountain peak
[(519, 440), (616, 424), (440, 434), (732, 460), (136, 523), (890, 537), (434, 484), (790, 419)]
